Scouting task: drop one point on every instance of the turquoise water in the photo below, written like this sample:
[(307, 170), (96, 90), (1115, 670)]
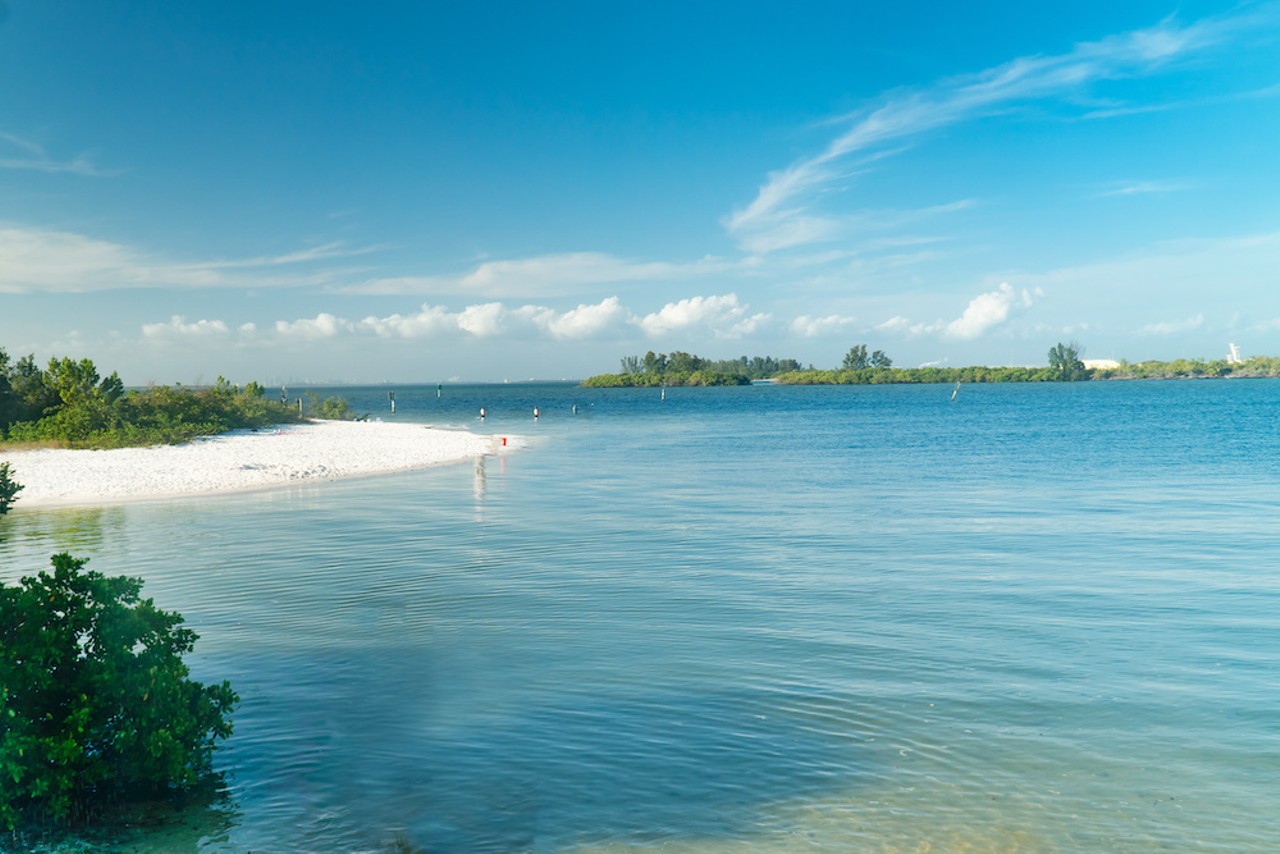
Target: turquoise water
[(1040, 618)]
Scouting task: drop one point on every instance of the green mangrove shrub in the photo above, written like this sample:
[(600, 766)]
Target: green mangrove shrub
[(9, 488), (96, 705)]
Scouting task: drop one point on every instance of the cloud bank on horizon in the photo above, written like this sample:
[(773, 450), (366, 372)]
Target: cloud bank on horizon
[(974, 216)]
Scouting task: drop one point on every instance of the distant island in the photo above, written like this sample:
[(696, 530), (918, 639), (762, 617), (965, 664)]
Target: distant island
[(875, 368)]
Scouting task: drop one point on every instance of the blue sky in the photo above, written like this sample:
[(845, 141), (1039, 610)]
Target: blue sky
[(426, 192)]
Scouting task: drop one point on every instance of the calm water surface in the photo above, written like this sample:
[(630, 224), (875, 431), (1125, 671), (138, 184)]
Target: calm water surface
[(1040, 618)]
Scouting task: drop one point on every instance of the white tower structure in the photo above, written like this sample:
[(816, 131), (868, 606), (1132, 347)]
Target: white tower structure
[(1233, 358)]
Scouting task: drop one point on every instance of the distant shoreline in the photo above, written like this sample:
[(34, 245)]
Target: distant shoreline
[(238, 461)]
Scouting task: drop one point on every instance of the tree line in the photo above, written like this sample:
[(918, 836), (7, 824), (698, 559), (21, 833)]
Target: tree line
[(686, 369), (860, 366), (69, 404)]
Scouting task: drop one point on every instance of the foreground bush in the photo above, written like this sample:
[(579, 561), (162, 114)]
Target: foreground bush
[(9, 488), (96, 707)]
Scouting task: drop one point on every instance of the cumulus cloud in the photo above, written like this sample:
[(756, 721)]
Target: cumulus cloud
[(323, 325), (723, 316), (719, 316), (426, 323), (985, 311), (814, 327), (1173, 327), (178, 327), (585, 321), (482, 320)]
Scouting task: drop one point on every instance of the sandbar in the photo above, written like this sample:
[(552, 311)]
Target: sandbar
[(239, 460)]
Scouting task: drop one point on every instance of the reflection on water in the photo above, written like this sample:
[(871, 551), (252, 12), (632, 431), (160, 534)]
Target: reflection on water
[(82, 531), (760, 619), (479, 488)]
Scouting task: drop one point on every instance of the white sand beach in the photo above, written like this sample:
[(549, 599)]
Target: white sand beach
[(239, 460)]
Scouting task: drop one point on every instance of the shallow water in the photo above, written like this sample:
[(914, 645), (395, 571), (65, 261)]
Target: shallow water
[(1040, 618)]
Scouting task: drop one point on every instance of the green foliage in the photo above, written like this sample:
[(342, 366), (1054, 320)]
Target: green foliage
[(693, 378), (1255, 366), (861, 367), (681, 368), (892, 376), (330, 408), (69, 404), (1064, 362), (9, 488), (857, 359), (96, 703)]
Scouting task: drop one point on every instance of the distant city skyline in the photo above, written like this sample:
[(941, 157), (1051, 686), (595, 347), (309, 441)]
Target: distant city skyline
[(430, 193)]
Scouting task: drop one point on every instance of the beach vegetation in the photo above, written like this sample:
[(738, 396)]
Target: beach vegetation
[(69, 404), (1065, 362), (97, 707), (857, 359), (685, 369), (331, 408), (9, 488)]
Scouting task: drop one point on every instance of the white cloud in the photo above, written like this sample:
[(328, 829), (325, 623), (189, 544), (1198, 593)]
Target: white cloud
[(19, 153), (985, 311), (560, 274), (897, 323), (586, 321), (323, 325), (814, 327), (1142, 188), (1173, 327), (722, 316), (490, 319), (43, 260), (178, 327), (782, 215), (484, 321), (430, 321)]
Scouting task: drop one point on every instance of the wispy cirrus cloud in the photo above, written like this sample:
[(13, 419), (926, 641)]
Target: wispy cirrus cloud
[(1173, 327), (788, 208), (1142, 188), (34, 260), (19, 153), (541, 276)]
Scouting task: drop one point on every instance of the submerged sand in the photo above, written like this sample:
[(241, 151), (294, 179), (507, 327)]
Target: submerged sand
[(240, 460)]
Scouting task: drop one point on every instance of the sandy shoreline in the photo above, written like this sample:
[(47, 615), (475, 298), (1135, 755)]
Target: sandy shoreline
[(237, 461)]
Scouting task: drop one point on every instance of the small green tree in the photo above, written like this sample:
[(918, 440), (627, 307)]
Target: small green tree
[(96, 707), (331, 408), (9, 488), (1065, 364), (856, 358)]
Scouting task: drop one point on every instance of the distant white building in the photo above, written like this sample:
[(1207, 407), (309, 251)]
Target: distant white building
[(1233, 357), (1100, 364)]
